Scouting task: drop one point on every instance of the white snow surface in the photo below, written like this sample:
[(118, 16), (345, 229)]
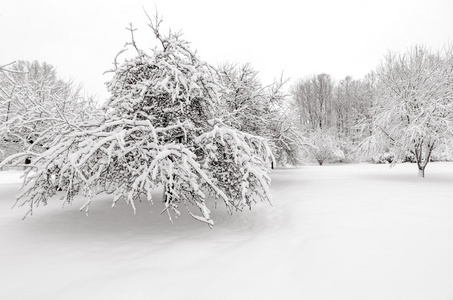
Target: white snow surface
[(356, 231)]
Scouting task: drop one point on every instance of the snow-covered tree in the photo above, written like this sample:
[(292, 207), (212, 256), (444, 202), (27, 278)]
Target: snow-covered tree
[(7, 87), (329, 114), (365, 105), (259, 110), (36, 104), (245, 105), (286, 140), (159, 129), (324, 146), (414, 105)]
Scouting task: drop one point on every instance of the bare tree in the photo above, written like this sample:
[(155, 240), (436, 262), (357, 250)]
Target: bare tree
[(312, 97)]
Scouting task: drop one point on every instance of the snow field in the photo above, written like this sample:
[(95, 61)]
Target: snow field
[(334, 232)]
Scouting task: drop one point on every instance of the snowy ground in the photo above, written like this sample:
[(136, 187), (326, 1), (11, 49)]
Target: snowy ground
[(335, 232)]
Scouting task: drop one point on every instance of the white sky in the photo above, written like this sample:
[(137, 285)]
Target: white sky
[(80, 38)]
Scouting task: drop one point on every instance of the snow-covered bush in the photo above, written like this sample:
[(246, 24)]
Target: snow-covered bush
[(324, 147), (159, 129)]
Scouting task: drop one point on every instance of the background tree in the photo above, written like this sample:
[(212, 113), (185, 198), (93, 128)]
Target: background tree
[(36, 104), (159, 129), (245, 103), (326, 115), (7, 88), (366, 104), (336, 113), (260, 110), (312, 97), (414, 105), (346, 107)]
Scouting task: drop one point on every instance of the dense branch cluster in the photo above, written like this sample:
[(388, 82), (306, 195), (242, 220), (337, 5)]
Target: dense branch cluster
[(259, 110), (36, 106)]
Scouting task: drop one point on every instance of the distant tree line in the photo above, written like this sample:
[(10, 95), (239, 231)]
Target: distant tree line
[(332, 115), (402, 111)]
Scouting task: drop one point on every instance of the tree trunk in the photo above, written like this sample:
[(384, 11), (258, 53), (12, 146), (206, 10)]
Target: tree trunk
[(421, 172), (423, 160)]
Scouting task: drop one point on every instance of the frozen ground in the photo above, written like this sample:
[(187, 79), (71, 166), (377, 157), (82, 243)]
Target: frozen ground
[(335, 232)]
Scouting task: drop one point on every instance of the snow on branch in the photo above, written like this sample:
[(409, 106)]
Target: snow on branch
[(158, 129), (413, 113)]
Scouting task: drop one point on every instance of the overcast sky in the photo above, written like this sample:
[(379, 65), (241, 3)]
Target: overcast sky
[(300, 38)]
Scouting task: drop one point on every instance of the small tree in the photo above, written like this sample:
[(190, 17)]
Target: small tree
[(414, 105), (323, 146), (159, 129)]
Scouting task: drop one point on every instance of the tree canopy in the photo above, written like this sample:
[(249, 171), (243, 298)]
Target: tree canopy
[(159, 128), (36, 104), (413, 113)]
